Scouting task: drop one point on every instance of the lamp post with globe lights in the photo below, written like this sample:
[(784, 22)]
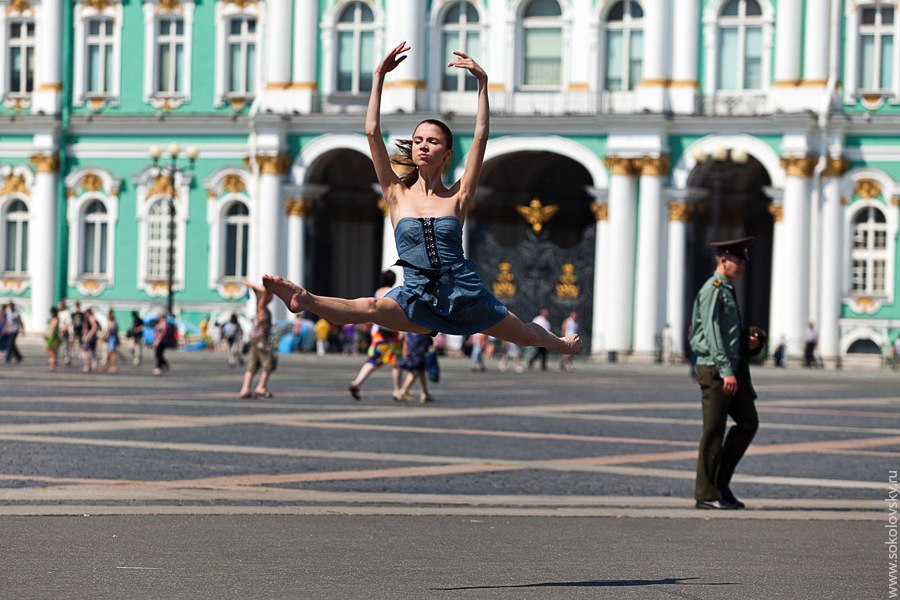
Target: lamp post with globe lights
[(171, 172)]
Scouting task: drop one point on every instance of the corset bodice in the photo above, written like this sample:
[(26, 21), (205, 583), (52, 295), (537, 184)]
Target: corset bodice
[(430, 243)]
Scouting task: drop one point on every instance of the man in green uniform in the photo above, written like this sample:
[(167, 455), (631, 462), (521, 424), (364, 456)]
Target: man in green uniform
[(723, 372)]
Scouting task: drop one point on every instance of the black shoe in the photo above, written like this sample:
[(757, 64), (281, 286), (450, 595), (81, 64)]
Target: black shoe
[(727, 496), (354, 391), (715, 505)]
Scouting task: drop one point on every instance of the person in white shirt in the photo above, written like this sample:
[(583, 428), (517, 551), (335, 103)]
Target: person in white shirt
[(812, 340), (543, 319), (569, 327), (667, 343), (65, 332)]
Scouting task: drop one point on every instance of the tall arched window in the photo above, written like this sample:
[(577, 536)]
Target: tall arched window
[(16, 255), (740, 60), (95, 239), (876, 48), (460, 33), (355, 48), (869, 253), (542, 37), (158, 241), (624, 45), (237, 238)]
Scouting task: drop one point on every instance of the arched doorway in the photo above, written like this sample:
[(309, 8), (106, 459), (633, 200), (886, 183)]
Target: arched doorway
[(552, 268), (733, 205), (344, 236)]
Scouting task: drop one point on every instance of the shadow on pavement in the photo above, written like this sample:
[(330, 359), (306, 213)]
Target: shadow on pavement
[(596, 583)]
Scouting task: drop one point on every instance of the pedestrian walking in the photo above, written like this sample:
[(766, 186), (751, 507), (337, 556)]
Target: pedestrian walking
[(896, 361), (51, 338), (540, 352), (809, 347), (416, 346), (111, 335), (667, 343), (13, 328), (780, 354), (477, 341), (384, 348), (512, 353), (77, 324), (136, 333), (233, 335), (569, 327), (323, 327), (65, 332), (723, 371), (163, 338), (90, 333), (262, 355)]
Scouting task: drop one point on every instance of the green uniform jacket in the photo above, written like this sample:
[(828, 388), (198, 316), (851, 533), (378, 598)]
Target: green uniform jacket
[(716, 326)]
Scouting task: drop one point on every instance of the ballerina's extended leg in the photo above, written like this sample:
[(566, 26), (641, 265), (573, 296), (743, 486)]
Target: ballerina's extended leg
[(513, 330)]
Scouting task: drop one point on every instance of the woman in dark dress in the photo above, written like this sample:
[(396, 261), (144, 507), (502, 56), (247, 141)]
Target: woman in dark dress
[(417, 346)]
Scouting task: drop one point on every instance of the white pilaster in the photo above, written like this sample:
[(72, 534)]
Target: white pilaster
[(277, 56), (48, 92), (622, 220), (815, 50), (784, 93), (779, 285), (651, 92), (601, 269), (686, 42), (42, 239), (300, 202), (404, 85), (679, 212), (270, 219), (832, 256), (651, 266), (304, 86)]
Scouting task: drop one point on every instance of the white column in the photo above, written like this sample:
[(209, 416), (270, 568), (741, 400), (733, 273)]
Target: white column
[(582, 44), (278, 44), (787, 42), (297, 210), (42, 239), (46, 96), (686, 42), (389, 254), (815, 50), (651, 92), (306, 39), (405, 21), (601, 273), (832, 256), (271, 230), (648, 305), (679, 212), (622, 221), (777, 296)]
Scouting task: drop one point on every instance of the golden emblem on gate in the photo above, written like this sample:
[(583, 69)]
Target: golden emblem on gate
[(537, 214), (505, 288), (568, 288)]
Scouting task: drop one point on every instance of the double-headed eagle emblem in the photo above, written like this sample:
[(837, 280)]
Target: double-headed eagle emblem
[(537, 214)]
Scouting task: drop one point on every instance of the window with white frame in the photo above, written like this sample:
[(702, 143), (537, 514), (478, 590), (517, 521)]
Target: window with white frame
[(869, 253), (624, 45), (355, 32), (237, 237), (15, 225), (158, 232), (876, 48), (461, 33), (542, 37), (240, 61), (20, 52), (99, 52), (740, 48), (95, 240), (170, 56)]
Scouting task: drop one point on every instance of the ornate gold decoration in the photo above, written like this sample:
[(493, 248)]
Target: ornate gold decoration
[(835, 166), (170, 5), (410, 84), (241, 4), (91, 182), (777, 211), (13, 284), (865, 304), (305, 85), (504, 287), (232, 289), (233, 183), (45, 163), (273, 164), (867, 188), (210, 193), (18, 6), (98, 5), (537, 214), (89, 287), (97, 103), (161, 186), (658, 166), (14, 184), (895, 201), (799, 166), (383, 207), (238, 104), (298, 207), (71, 192), (579, 86), (623, 166), (278, 85), (159, 288), (679, 211), (568, 288), (600, 210)]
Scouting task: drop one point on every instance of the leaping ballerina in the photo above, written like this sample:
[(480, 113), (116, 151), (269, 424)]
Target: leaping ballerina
[(441, 291)]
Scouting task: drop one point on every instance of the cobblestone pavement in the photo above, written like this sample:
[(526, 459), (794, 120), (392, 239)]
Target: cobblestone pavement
[(312, 495)]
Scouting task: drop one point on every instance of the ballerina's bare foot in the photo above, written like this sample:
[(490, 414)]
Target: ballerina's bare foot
[(574, 343), (290, 293)]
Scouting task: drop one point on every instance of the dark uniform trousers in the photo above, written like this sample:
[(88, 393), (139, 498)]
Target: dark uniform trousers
[(717, 460)]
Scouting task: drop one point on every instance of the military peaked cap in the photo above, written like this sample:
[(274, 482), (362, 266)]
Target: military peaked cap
[(738, 248)]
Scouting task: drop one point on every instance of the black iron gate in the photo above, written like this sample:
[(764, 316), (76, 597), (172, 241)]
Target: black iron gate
[(538, 274)]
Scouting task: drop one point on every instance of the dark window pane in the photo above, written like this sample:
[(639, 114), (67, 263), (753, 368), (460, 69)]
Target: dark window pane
[(543, 8)]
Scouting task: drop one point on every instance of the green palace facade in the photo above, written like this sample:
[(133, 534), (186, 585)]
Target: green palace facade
[(652, 127)]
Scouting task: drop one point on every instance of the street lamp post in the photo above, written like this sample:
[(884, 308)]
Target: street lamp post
[(171, 172)]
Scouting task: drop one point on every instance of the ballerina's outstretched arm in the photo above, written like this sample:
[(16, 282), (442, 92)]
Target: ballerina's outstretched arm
[(469, 180)]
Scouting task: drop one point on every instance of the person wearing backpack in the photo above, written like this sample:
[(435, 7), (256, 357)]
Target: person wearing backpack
[(77, 324), (163, 338)]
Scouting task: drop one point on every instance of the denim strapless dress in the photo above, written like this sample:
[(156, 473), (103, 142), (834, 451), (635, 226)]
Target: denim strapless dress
[(441, 289)]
